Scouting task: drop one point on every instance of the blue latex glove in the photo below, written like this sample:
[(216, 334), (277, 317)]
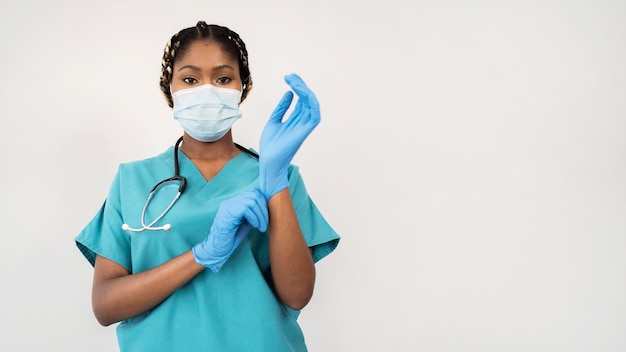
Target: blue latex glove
[(281, 140), (230, 227)]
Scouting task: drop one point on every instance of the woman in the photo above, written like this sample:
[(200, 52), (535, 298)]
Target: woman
[(245, 217)]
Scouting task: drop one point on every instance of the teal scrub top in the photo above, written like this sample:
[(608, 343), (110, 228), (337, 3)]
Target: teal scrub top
[(234, 309)]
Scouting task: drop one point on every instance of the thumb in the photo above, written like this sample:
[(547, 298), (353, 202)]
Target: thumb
[(281, 108)]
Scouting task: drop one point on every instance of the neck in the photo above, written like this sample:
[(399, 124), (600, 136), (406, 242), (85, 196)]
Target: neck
[(224, 148)]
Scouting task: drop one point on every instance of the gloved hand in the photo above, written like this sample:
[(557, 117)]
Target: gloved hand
[(230, 227), (281, 140)]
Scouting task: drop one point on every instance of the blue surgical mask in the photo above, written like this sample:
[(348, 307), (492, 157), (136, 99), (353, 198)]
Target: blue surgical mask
[(206, 112)]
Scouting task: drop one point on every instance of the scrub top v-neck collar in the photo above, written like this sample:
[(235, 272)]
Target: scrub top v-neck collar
[(217, 184)]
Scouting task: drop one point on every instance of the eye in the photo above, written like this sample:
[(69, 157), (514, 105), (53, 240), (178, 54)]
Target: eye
[(224, 80), (190, 80)]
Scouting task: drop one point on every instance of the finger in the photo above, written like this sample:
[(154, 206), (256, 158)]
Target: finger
[(303, 116), (306, 98), (261, 204), (233, 208), (302, 90), (257, 213), (253, 216), (249, 205), (296, 114), (281, 108)]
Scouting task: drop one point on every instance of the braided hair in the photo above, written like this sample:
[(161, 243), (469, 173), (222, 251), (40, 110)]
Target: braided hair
[(179, 43)]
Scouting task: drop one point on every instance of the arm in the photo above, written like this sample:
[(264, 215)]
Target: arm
[(117, 295), (291, 260), (292, 266)]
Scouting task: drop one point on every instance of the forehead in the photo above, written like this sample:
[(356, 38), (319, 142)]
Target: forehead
[(205, 53)]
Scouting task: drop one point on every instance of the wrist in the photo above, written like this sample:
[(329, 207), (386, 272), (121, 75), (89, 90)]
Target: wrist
[(269, 186), (206, 260)]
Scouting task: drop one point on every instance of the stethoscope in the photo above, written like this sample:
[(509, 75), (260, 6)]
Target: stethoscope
[(182, 183)]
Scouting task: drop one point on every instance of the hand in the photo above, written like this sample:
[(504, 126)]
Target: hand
[(281, 140), (230, 227)]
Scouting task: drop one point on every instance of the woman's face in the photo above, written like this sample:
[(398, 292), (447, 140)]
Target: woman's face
[(205, 63)]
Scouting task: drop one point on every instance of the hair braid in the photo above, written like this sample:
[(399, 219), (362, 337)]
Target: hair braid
[(169, 55), (246, 79)]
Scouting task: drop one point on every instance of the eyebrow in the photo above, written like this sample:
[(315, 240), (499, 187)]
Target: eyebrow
[(196, 68), (192, 67)]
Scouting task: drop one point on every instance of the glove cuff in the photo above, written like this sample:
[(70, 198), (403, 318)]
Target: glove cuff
[(201, 257)]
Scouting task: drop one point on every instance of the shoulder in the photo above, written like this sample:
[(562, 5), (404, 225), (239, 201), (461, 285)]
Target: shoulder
[(166, 156), (293, 173)]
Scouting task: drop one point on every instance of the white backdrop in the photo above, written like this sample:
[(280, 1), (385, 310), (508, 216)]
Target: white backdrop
[(471, 155)]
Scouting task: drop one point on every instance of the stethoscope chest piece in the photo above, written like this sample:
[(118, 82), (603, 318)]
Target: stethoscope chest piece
[(182, 183)]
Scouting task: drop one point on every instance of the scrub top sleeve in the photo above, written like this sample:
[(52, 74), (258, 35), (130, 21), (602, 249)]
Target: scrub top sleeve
[(103, 235), (319, 235)]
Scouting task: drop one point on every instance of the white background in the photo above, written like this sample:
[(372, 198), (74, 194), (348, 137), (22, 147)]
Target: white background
[(471, 155)]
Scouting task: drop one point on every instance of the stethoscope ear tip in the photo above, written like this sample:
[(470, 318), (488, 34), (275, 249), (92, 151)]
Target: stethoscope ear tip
[(167, 227), (125, 227)]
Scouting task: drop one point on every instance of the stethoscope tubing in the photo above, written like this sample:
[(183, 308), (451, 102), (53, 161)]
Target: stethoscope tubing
[(181, 188), (176, 178)]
